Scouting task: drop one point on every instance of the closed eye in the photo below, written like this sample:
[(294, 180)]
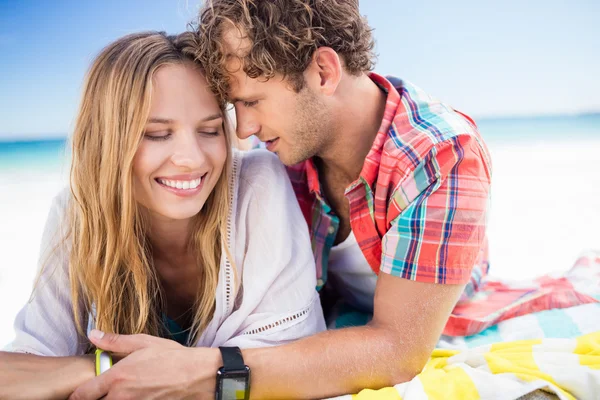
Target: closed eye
[(210, 133), (157, 136), (250, 103)]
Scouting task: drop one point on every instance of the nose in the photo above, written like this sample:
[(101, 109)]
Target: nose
[(247, 125), (187, 151)]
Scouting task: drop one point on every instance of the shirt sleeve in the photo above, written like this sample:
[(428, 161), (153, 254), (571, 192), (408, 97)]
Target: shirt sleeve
[(279, 302), (439, 232), (45, 325)]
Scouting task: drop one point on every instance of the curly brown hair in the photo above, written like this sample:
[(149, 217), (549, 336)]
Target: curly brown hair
[(283, 36)]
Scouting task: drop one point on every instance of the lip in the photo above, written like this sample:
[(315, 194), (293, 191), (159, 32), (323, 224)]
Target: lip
[(183, 192), (272, 144), (182, 177)]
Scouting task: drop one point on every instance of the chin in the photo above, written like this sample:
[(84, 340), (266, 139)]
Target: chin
[(283, 157), (180, 216), (289, 160), (180, 213)]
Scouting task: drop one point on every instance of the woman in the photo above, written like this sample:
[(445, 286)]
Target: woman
[(166, 231)]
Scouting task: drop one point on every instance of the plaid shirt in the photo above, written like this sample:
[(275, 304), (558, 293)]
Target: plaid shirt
[(418, 209)]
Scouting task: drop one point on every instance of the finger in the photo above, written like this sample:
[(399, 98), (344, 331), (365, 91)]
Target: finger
[(93, 389), (120, 344)]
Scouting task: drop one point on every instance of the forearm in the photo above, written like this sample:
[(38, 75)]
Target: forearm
[(333, 363), (28, 376)]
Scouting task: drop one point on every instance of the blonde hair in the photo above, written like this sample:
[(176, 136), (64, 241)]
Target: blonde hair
[(110, 265)]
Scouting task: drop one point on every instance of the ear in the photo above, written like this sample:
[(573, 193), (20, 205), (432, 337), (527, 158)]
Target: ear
[(324, 71)]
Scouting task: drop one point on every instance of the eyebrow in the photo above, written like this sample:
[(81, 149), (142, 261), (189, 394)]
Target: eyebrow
[(212, 117), (158, 120), (244, 98)]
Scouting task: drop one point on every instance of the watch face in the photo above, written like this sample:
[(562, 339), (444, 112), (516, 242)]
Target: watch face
[(233, 385)]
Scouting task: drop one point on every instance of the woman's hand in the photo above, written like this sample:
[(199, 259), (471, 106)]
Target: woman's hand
[(152, 368)]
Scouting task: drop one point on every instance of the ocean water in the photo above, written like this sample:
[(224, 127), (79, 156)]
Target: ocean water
[(18, 156), (545, 207), (543, 129)]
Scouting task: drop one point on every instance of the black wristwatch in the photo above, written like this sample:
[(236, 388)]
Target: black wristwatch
[(233, 378)]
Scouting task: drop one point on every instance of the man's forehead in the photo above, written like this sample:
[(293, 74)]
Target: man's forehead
[(242, 87)]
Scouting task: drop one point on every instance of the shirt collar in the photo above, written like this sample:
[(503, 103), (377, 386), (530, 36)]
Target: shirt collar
[(371, 166)]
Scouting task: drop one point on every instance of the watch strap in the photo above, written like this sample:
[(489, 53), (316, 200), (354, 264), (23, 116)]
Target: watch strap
[(232, 359)]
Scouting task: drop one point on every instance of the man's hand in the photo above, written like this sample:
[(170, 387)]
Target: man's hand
[(151, 368)]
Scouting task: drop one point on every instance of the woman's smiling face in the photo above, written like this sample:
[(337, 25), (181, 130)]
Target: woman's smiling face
[(184, 149)]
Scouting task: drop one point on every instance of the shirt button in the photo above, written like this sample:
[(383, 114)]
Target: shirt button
[(319, 282), (331, 229)]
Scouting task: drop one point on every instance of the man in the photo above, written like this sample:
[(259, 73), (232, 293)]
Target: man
[(394, 185)]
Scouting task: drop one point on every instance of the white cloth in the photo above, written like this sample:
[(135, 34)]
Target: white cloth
[(351, 275), (269, 241)]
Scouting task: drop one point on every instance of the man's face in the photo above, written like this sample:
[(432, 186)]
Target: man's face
[(294, 125)]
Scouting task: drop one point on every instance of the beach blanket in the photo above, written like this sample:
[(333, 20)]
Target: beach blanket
[(565, 323), (542, 334), (500, 300), (569, 368)]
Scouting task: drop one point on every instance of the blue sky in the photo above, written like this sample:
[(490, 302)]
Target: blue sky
[(486, 58)]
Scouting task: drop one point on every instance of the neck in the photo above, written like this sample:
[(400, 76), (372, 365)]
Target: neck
[(169, 238), (362, 109)]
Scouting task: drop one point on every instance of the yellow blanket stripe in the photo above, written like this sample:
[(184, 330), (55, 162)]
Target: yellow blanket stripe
[(517, 358), (438, 383), (570, 368), (388, 393), (588, 350)]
